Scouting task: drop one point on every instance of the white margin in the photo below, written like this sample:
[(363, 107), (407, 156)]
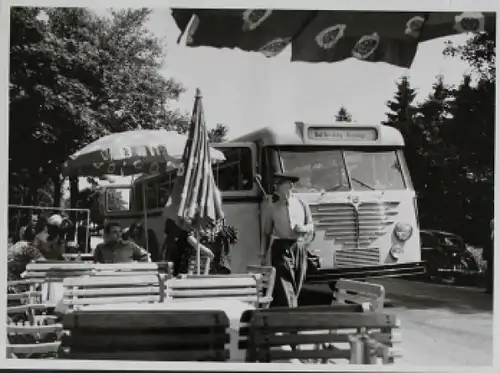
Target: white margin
[(389, 5)]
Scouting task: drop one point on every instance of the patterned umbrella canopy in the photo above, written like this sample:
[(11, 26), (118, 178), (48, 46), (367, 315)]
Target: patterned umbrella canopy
[(195, 199), (130, 153), (325, 36)]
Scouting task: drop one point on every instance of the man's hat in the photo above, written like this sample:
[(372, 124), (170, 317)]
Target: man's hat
[(286, 177)]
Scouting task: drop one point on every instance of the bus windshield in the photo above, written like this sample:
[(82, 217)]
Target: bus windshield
[(328, 170)]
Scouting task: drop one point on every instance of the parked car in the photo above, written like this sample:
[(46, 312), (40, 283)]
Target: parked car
[(447, 258)]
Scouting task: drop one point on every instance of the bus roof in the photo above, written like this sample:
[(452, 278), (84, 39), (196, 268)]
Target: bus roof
[(386, 136)]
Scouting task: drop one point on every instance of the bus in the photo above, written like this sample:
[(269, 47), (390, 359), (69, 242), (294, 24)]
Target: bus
[(353, 176)]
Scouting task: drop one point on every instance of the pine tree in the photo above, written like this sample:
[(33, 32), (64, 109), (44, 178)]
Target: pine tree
[(343, 115), (433, 154), (402, 108)]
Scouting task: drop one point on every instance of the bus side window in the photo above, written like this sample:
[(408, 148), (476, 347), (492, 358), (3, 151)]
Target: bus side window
[(152, 196), (236, 172), (165, 187)]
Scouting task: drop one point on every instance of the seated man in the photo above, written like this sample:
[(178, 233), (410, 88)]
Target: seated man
[(115, 250)]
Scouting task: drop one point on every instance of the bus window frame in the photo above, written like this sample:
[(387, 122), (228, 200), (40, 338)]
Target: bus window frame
[(253, 150), (399, 151), (121, 187)]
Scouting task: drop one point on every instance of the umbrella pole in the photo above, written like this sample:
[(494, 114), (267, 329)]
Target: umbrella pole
[(145, 214), (198, 252)]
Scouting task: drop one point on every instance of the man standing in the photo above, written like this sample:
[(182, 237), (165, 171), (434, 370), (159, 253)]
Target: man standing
[(289, 226), (116, 250)]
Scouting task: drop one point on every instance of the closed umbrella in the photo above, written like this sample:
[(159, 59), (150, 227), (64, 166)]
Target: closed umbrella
[(195, 200), (326, 36)]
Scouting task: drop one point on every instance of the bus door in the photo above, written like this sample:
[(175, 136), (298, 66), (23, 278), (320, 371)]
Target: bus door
[(235, 178)]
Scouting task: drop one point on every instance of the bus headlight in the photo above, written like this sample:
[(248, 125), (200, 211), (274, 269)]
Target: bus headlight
[(397, 251), (403, 231)]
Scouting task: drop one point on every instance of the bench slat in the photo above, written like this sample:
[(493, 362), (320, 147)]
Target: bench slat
[(96, 292), (298, 339), (187, 293), (38, 348), (112, 300), (111, 280), (82, 340), (183, 355), (33, 329), (141, 319), (124, 273), (207, 283), (28, 294), (310, 320), (25, 308), (276, 355)]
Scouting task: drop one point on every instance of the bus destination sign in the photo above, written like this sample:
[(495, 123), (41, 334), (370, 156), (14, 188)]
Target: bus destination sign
[(342, 134)]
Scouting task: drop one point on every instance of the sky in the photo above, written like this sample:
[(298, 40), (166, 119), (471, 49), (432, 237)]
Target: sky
[(246, 91)]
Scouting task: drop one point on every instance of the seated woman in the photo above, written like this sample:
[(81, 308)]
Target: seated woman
[(31, 247)]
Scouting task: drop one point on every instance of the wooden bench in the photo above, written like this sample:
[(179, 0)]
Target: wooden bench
[(154, 335), (94, 290), (357, 292), (30, 333), (243, 288), (342, 331)]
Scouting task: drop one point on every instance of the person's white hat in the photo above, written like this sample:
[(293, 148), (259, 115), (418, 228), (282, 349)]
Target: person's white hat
[(55, 220)]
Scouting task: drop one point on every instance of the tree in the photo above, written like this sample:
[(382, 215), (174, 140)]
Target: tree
[(75, 77), (433, 156), (343, 115), (479, 51), (218, 134)]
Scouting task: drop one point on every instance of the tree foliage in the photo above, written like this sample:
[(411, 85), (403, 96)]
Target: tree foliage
[(343, 115), (479, 52), (74, 77), (450, 143), (218, 134)]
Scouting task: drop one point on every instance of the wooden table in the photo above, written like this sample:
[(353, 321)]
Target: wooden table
[(233, 308)]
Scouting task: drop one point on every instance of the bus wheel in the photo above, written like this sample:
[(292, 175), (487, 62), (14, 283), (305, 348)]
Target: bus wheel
[(153, 247)]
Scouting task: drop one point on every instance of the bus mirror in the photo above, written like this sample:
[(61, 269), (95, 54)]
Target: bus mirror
[(118, 199)]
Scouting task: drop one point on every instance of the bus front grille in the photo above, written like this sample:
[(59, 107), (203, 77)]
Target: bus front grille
[(355, 229)]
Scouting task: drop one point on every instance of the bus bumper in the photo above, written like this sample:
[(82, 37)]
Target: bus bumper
[(380, 271)]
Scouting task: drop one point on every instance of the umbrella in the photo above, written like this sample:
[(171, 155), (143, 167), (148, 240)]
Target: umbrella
[(195, 200), (326, 36), (131, 152)]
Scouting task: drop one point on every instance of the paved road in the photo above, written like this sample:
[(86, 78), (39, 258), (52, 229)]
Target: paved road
[(441, 325)]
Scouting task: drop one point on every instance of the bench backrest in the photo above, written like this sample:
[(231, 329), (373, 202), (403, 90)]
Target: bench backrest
[(146, 335), (93, 290), (335, 328), (244, 288), (357, 292), (57, 270)]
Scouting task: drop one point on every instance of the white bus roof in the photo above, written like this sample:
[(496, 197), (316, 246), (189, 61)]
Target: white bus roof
[(385, 135)]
